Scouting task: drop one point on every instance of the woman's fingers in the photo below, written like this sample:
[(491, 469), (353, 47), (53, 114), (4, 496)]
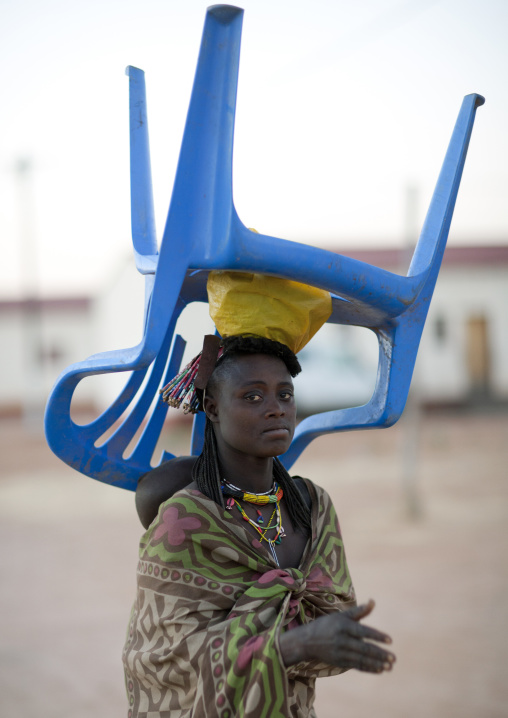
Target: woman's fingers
[(351, 659), (360, 630), (359, 612), (367, 650)]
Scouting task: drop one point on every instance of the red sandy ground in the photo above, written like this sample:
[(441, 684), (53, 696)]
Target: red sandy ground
[(69, 555)]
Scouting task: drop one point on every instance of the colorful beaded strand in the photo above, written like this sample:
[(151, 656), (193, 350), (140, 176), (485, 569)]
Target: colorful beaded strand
[(269, 497), (274, 495)]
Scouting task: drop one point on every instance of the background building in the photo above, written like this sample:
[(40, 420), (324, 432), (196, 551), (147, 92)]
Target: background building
[(462, 355)]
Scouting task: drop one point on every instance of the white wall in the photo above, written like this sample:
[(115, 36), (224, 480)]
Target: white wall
[(36, 348), (462, 293), (339, 364)]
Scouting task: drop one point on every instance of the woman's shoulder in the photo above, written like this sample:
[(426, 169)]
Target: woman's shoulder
[(182, 503), (310, 491), (158, 485), (303, 487)]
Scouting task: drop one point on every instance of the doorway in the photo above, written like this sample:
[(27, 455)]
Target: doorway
[(478, 356)]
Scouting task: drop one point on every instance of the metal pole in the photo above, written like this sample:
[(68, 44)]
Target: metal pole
[(31, 324), (411, 419)]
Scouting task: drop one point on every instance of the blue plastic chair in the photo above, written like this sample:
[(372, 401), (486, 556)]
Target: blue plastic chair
[(204, 232)]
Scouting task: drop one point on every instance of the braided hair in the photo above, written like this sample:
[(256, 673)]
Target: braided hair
[(206, 470)]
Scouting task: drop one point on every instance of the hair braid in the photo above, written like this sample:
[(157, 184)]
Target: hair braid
[(299, 512), (206, 471), (206, 474)]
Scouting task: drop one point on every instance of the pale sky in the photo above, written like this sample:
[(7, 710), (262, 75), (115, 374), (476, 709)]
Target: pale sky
[(341, 106)]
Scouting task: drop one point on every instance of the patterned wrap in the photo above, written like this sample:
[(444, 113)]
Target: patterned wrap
[(210, 606)]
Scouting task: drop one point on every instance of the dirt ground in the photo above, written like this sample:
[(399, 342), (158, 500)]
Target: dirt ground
[(440, 581)]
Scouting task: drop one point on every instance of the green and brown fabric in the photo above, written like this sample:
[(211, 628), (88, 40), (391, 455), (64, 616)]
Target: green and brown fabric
[(210, 606)]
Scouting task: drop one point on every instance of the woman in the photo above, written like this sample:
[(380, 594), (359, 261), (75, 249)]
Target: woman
[(244, 596)]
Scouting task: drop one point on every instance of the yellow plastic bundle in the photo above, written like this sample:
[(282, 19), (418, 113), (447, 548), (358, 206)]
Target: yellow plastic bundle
[(274, 308)]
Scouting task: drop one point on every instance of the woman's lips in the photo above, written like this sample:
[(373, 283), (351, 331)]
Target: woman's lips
[(282, 431)]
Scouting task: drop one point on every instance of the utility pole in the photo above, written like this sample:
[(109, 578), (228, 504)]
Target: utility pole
[(411, 419), (31, 325)]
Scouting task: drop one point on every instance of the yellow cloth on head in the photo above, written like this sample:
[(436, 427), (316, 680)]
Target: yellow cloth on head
[(271, 307)]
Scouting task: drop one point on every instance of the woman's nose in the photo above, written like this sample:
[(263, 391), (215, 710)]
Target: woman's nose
[(275, 407)]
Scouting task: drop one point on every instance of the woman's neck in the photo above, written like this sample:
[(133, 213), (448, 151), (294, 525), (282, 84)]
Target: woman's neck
[(249, 473)]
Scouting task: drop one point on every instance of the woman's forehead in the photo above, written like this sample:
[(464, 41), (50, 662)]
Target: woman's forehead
[(245, 368)]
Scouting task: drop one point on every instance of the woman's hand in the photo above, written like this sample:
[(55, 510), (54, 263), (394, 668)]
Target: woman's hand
[(338, 639)]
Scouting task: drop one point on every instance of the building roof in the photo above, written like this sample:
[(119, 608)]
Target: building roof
[(47, 303), (393, 259), (454, 256)]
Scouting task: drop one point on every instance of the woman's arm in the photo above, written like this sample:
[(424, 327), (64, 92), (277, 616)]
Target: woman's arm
[(339, 640), (160, 484)]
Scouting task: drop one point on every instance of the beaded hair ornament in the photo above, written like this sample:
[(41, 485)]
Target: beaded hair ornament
[(254, 304)]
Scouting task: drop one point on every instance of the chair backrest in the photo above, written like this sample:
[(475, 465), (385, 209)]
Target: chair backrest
[(204, 232)]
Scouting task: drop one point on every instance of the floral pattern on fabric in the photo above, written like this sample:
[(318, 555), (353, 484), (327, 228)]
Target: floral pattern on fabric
[(210, 606)]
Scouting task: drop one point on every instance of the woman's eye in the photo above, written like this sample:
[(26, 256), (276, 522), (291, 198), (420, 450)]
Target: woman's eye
[(286, 395), (253, 397)]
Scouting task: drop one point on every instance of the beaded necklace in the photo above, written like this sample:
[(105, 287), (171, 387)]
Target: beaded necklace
[(274, 495)]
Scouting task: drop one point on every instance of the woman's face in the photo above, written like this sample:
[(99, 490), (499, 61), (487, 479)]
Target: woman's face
[(252, 406)]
